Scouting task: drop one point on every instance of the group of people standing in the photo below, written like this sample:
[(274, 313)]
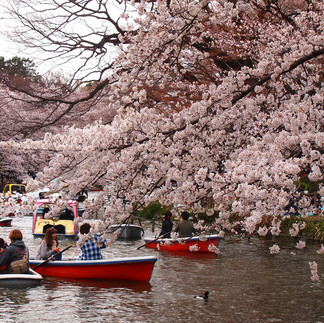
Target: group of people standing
[(14, 258)]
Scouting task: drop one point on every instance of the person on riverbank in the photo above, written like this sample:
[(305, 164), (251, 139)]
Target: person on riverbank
[(49, 245), (167, 225), (185, 227), (90, 244), (14, 258)]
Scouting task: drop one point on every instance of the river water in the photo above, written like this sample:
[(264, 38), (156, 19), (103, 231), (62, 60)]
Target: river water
[(245, 282)]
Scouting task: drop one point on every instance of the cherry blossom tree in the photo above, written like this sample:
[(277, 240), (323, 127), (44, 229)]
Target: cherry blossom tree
[(219, 99), (29, 110)]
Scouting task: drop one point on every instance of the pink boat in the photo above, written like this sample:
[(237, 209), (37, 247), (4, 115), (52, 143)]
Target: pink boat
[(207, 244), (122, 269)]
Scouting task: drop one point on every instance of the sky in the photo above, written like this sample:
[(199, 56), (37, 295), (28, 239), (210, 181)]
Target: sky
[(9, 49)]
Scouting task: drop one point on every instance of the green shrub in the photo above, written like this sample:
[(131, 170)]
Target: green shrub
[(153, 210)]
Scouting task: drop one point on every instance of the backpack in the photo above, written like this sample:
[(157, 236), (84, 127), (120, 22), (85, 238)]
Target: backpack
[(20, 266)]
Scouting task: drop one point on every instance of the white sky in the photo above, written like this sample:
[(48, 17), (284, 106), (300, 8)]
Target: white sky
[(9, 49)]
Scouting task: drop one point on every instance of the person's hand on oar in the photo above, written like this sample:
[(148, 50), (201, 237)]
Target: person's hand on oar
[(52, 257)]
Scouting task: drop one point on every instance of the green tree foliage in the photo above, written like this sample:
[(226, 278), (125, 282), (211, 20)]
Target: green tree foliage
[(154, 209), (17, 66)]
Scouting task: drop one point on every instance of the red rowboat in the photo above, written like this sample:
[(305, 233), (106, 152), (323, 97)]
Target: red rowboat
[(121, 269), (192, 244), (5, 222)]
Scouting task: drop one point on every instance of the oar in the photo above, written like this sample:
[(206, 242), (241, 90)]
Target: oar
[(52, 257), (159, 237)]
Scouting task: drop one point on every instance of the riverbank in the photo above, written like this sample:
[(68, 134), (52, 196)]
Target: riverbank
[(308, 226)]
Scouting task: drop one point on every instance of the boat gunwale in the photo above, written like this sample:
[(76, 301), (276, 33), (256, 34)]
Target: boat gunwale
[(33, 275), (183, 239), (7, 218)]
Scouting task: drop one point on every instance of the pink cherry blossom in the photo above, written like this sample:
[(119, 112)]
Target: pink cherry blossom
[(195, 104)]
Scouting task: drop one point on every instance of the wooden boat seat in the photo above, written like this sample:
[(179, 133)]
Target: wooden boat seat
[(59, 228)]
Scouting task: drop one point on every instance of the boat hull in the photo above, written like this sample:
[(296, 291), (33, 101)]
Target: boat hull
[(128, 231), (64, 228), (5, 222), (192, 244), (121, 269), (21, 280)]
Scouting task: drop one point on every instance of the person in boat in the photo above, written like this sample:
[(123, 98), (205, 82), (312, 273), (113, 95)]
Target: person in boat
[(167, 225), (49, 245), (45, 210), (90, 244), (3, 245), (14, 258), (185, 227), (67, 215)]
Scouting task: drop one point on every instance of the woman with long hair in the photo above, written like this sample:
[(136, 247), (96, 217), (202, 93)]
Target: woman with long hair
[(49, 245)]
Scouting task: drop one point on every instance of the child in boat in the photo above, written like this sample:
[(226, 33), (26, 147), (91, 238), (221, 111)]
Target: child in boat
[(15, 256), (167, 225), (90, 244), (49, 246)]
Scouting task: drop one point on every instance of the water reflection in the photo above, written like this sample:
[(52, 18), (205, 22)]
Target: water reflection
[(14, 295), (52, 282)]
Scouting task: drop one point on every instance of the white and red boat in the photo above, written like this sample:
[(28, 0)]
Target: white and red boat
[(120, 269), (5, 222)]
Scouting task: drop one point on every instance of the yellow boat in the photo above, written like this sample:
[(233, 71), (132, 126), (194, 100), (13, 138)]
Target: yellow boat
[(13, 189), (63, 222)]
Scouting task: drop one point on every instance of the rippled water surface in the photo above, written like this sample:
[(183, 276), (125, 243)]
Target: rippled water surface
[(245, 282)]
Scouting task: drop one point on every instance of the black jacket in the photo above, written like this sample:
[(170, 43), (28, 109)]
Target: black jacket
[(167, 226)]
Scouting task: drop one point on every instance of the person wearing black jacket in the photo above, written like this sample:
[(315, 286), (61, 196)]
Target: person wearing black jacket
[(15, 251), (167, 225)]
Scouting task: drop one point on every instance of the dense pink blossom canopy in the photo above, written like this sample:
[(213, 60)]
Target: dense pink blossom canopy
[(216, 100)]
